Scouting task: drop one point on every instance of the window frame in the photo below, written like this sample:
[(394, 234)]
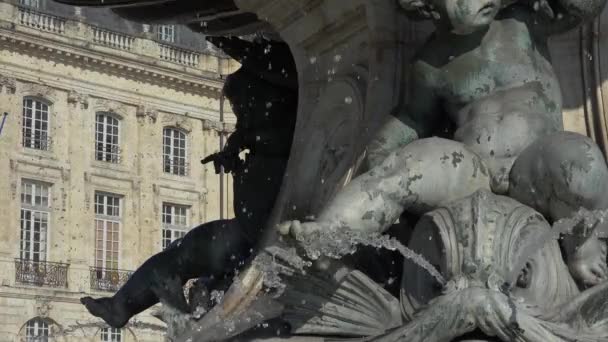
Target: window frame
[(169, 159), (44, 210), (108, 221), (166, 33), (114, 156), (109, 334), (33, 326), (41, 143), (28, 3), (174, 230)]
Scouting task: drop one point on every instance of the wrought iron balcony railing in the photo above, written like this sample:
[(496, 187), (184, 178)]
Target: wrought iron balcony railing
[(41, 273), (107, 279)]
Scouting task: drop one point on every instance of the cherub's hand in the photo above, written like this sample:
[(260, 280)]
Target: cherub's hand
[(299, 230), (541, 6), (544, 7), (588, 264), (228, 160)]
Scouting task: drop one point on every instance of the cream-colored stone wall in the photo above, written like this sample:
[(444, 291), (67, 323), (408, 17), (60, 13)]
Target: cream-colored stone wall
[(78, 81)]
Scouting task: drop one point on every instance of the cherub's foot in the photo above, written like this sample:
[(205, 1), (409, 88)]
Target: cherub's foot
[(588, 263), (102, 308)]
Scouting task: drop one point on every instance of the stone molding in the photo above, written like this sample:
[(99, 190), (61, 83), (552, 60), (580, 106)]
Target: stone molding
[(75, 98), (8, 84), (219, 127), (39, 90), (114, 107), (91, 59), (43, 307), (180, 122), (144, 112)]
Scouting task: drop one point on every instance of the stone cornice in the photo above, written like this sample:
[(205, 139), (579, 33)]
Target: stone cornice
[(128, 65), (93, 91)]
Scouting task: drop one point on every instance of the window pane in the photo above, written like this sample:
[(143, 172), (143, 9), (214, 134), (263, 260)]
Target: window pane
[(174, 152), (107, 141), (36, 330), (107, 230), (35, 124), (174, 223)]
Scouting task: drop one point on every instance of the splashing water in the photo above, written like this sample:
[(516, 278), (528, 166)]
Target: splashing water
[(333, 244), (338, 243), (585, 220)]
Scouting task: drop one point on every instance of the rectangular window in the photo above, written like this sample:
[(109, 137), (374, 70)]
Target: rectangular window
[(30, 3), (111, 335), (166, 33), (175, 222), (35, 124), (107, 132), (107, 231), (174, 152), (35, 217)]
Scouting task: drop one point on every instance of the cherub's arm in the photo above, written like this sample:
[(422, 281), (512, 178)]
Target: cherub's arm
[(417, 120), (558, 16)]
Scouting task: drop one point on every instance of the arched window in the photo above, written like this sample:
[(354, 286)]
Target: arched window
[(107, 138), (110, 335), (175, 152), (36, 124), (37, 330)]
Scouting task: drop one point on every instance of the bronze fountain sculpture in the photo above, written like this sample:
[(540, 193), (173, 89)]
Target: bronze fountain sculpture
[(474, 152)]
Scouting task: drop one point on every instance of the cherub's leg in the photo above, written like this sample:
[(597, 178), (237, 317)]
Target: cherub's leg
[(416, 178), (213, 249), (558, 175)]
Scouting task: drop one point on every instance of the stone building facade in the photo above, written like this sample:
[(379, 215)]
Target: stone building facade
[(105, 124)]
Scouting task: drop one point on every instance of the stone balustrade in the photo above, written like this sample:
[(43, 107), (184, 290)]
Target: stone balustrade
[(179, 56), (112, 39), (41, 21), (73, 31)]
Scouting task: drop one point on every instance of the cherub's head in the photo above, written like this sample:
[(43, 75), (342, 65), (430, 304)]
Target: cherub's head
[(460, 16)]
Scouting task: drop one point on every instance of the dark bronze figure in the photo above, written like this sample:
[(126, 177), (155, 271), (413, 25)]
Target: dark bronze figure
[(265, 104)]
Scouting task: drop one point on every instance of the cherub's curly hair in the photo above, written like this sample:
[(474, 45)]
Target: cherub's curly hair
[(417, 9)]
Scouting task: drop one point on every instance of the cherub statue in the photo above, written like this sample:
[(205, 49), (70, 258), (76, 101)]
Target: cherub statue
[(265, 105), (487, 70)]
